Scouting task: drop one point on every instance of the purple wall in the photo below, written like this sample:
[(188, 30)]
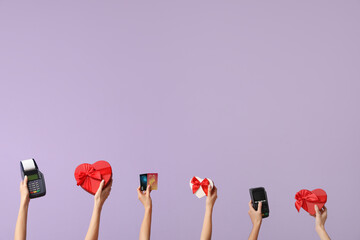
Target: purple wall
[(246, 93)]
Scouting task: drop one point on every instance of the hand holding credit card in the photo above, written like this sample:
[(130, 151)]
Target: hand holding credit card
[(148, 179)]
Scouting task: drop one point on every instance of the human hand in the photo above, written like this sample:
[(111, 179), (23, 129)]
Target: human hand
[(212, 196), (255, 215), (24, 191), (145, 197), (102, 193), (320, 217)]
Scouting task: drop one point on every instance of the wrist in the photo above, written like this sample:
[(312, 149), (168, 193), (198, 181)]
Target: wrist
[(257, 223), (148, 208), (24, 202), (209, 207), (319, 228), (98, 206)]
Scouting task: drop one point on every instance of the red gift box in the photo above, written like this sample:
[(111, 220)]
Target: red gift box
[(89, 176), (307, 199)]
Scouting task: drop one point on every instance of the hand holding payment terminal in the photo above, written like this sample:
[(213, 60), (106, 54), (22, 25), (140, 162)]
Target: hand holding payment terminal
[(36, 181), (259, 195)]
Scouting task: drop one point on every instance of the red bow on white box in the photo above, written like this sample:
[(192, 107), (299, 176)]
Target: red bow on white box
[(200, 186)]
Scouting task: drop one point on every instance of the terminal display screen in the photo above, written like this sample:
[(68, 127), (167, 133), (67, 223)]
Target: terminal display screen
[(32, 177)]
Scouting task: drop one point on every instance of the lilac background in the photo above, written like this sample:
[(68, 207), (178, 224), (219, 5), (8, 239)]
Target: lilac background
[(248, 93)]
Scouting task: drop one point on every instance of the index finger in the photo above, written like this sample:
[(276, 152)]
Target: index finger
[(324, 209), (139, 191), (250, 205), (109, 184), (215, 189)]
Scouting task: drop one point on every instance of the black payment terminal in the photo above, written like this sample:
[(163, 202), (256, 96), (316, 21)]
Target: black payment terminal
[(36, 181), (259, 195)]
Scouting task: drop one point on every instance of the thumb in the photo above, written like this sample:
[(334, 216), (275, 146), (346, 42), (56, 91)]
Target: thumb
[(102, 183), (317, 210), (259, 207), (101, 186), (148, 189), (209, 190), (25, 180)]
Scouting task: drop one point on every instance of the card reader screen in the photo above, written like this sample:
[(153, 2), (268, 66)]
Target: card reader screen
[(259, 195), (33, 177)]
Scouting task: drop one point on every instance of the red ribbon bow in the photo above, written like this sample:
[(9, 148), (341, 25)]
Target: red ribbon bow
[(305, 196), (83, 176), (196, 185)]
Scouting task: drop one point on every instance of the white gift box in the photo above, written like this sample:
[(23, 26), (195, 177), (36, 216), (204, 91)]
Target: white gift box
[(200, 192)]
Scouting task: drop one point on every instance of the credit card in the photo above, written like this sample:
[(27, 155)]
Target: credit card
[(148, 179)]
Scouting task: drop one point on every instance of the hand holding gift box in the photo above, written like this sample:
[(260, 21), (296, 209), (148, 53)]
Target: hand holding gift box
[(89, 176), (308, 199)]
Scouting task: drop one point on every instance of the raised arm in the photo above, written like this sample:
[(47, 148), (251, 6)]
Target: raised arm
[(207, 225), (99, 200), (20, 229), (145, 199), (256, 219), (320, 219)]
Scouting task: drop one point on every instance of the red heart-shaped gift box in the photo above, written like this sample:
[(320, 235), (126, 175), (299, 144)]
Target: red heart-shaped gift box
[(89, 176), (307, 199)]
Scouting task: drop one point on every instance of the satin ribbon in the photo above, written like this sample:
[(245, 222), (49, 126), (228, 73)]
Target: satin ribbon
[(305, 196), (83, 177), (196, 185)]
